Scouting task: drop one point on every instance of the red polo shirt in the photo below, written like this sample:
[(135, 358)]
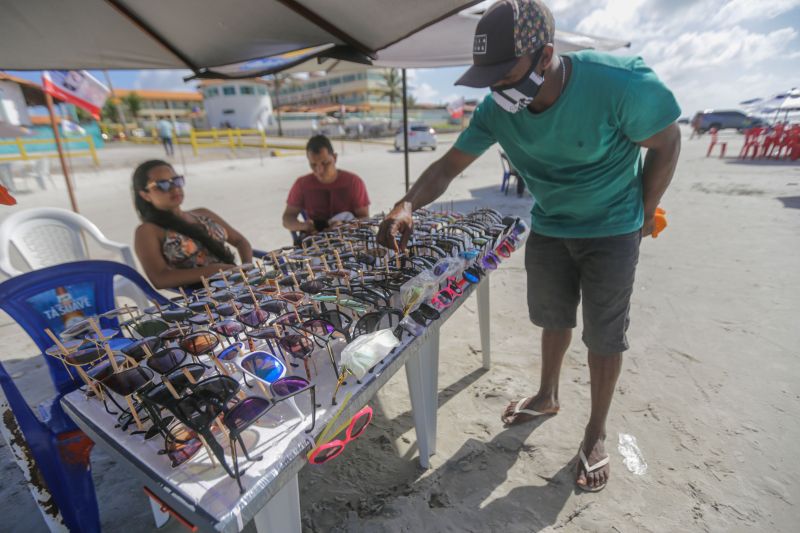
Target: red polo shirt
[(320, 201)]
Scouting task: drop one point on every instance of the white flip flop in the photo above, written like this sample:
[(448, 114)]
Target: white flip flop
[(530, 412), (589, 469)]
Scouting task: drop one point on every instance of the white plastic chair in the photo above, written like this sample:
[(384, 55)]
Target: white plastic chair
[(46, 236)]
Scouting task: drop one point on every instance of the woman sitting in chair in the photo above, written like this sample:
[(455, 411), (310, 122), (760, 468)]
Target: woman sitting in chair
[(178, 247)]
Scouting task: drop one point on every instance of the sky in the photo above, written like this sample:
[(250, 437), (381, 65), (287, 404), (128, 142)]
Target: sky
[(711, 53)]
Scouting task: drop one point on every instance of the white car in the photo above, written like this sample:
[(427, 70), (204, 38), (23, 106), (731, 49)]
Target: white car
[(419, 136)]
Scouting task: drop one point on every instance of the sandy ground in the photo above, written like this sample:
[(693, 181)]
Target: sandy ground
[(709, 387)]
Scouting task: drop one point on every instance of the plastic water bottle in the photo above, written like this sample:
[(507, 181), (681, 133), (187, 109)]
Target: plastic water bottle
[(632, 454)]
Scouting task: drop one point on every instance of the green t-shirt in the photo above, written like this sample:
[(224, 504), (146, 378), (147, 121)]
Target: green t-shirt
[(579, 158)]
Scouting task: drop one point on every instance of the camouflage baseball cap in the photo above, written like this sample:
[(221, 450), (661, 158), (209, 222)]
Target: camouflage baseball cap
[(507, 31)]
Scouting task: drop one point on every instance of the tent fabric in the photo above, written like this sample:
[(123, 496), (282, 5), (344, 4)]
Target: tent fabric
[(447, 43), (198, 34)]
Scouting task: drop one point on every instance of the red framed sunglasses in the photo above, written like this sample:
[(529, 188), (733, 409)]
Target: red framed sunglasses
[(353, 429)]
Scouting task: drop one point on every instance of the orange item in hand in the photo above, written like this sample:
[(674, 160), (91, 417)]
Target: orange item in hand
[(660, 222), (5, 197)]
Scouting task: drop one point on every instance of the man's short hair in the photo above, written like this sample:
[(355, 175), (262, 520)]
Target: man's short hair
[(317, 143)]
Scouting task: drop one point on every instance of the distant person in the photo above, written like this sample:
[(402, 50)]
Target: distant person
[(695, 127), (165, 134), (177, 247), (328, 196)]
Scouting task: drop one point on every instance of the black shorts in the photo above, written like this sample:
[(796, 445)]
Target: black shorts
[(600, 270)]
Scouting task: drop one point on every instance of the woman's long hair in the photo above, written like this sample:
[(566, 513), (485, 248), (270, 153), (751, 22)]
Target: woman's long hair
[(149, 213)]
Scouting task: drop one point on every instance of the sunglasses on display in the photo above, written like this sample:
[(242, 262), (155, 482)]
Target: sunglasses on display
[(328, 448), (166, 185)]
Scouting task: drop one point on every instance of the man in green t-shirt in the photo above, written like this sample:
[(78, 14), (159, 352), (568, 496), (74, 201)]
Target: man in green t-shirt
[(573, 126)]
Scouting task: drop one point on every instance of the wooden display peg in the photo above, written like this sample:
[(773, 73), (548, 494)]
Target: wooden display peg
[(338, 259), (112, 359), (210, 314), (185, 297)]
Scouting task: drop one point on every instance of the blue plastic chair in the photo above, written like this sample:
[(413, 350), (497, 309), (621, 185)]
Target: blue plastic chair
[(508, 172), (60, 449)]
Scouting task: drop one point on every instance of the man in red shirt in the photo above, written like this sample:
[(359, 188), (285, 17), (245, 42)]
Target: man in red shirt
[(326, 197)]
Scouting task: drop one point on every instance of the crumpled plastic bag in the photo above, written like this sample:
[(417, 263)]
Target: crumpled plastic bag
[(367, 351)]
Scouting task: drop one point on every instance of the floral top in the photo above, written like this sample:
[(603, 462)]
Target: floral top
[(181, 251)]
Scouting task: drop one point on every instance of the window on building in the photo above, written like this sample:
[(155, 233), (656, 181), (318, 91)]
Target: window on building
[(334, 81), (362, 75), (261, 90), (212, 92), (228, 111), (229, 91), (349, 78), (322, 83), (247, 89)]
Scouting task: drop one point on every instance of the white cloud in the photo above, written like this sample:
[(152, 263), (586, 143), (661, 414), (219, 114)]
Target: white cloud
[(425, 93), (704, 50), (165, 80), (737, 11)]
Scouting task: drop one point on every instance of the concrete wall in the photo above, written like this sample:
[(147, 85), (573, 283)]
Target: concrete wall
[(12, 104)]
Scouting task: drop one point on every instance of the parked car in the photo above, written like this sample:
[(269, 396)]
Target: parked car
[(419, 136), (725, 119)]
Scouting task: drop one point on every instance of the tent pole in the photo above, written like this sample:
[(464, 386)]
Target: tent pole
[(405, 126), (57, 136)]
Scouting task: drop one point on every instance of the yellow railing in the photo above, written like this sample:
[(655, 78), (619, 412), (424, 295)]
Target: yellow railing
[(25, 155), (232, 138)]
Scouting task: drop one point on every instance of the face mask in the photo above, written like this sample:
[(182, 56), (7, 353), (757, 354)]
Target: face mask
[(517, 96)]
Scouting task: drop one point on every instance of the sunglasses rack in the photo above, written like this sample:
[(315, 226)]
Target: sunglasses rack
[(263, 341)]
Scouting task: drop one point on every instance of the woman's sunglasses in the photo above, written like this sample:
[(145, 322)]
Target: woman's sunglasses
[(166, 185)]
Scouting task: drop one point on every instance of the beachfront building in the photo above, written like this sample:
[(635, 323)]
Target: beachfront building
[(175, 106), (362, 88), (237, 103), (15, 93)]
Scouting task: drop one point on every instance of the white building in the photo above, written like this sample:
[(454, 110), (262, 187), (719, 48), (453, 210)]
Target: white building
[(237, 103), (13, 106)]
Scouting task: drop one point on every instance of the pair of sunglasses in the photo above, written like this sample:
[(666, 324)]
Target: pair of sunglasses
[(445, 297), (166, 185), (353, 429)]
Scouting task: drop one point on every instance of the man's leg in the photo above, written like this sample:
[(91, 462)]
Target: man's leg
[(553, 285), (554, 345), (607, 269), (603, 373)]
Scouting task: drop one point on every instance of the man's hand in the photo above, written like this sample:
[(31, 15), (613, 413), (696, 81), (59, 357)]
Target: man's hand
[(654, 223), (398, 222)]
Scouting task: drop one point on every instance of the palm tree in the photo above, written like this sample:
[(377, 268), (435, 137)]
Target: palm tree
[(392, 89), (134, 104)]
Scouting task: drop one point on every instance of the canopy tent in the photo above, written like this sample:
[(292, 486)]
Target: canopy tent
[(245, 38), (446, 43), (201, 35)]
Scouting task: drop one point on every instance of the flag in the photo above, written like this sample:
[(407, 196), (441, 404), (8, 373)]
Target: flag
[(5, 197), (68, 127), (77, 87), (456, 108)]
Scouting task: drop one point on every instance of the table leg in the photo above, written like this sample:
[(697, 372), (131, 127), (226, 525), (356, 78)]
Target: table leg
[(160, 517), (484, 315), (282, 512), (422, 373)]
